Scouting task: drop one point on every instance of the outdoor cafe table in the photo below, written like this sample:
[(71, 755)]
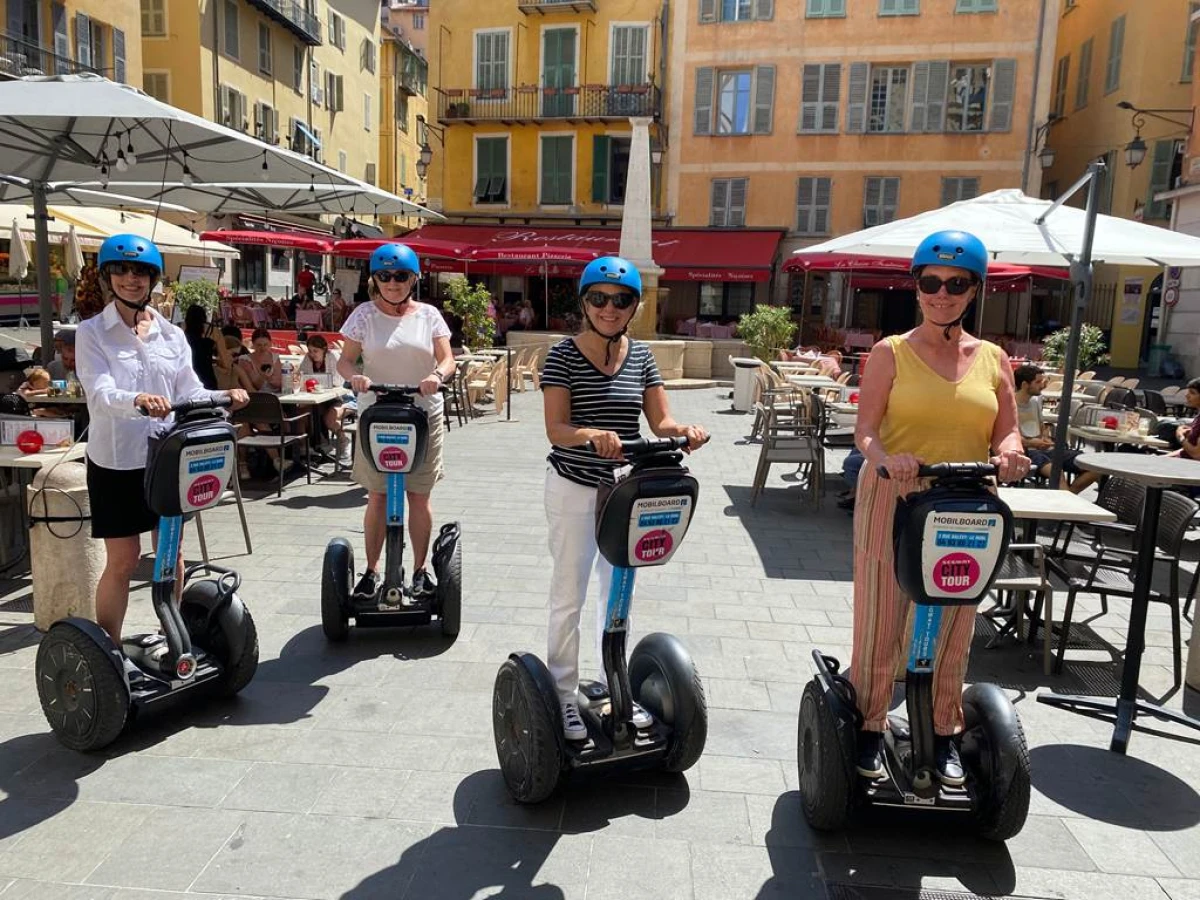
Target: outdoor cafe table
[(1112, 436), (813, 381), (315, 401), (26, 464), (1155, 473), (60, 400)]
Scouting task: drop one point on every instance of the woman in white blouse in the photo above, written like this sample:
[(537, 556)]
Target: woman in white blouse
[(129, 358)]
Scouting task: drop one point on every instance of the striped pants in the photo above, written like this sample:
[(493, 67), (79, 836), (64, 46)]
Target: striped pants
[(883, 615)]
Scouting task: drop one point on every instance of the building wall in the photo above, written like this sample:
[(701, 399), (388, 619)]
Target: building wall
[(110, 15), (774, 159), (452, 25), (412, 18), (399, 130)]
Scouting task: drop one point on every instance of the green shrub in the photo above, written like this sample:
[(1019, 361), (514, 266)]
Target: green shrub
[(203, 292), (767, 330), (470, 303), (1091, 347)]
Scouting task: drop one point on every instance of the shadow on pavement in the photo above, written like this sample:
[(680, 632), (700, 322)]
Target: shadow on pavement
[(500, 849), (793, 539), (353, 497)]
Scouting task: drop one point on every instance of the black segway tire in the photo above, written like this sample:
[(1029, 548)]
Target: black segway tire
[(84, 698), (527, 729), (337, 575), (237, 675), (664, 680), (219, 626), (447, 568), (826, 793), (997, 760)]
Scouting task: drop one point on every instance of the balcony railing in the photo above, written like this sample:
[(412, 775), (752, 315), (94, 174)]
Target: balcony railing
[(541, 7), (19, 57), (529, 102), (294, 17)]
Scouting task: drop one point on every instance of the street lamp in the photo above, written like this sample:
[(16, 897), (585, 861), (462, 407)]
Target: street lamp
[(1135, 150), (1045, 155)]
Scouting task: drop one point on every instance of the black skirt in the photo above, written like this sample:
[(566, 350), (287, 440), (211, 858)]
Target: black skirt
[(118, 500)]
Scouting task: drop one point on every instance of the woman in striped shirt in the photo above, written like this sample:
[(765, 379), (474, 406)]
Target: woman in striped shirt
[(596, 386)]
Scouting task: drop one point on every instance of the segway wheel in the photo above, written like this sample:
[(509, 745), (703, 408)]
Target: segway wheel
[(83, 697), (237, 675), (337, 578), (447, 568), (997, 759), (825, 788), (526, 733), (664, 681)]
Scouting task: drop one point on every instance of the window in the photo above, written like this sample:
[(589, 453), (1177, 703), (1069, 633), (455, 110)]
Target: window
[(1062, 72), (955, 189), (62, 39), (899, 7), (880, 196), (154, 18), (1050, 190), (557, 170), (966, 102), (610, 168), (725, 300), (1116, 46), (418, 21), (366, 112), (264, 48), (99, 51), (889, 91), (812, 205), (233, 108), (118, 55), (337, 30), (1085, 74), (975, 6), (266, 122), (369, 173), (367, 55), (1160, 179), (820, 93), (302, 138), (1189, 44), (298, 56), (491, 60), (335, 97), (491, 170), (744, 100), (728, 209), (825, 9), (342, 163), (157, 85), (629, 65), (733, 102), (83, 39), (230, 16), (736, 10), (402, 111)]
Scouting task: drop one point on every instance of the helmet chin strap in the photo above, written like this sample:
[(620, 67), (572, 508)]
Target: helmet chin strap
[(612, 340), (398, 303)]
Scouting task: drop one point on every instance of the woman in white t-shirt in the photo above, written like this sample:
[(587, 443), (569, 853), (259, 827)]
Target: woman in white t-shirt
[(401, 341)]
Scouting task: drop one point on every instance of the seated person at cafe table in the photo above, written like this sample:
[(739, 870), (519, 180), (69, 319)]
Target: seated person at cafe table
[(62, 367), (320, 360), (1188, 435), (262, 363), (1030, 381)]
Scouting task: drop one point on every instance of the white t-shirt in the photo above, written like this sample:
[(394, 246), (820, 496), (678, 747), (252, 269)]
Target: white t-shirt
[(397, 349), (1029, 418)]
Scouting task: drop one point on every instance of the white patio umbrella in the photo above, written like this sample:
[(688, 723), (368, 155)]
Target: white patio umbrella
[(74, 266), (18, 264), (77, 128)]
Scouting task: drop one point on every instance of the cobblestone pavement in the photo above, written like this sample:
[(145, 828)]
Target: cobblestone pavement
[(367, 770)]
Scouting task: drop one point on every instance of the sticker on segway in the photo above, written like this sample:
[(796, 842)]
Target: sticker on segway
[(204, 471), (959, 553), (391, 446), (656, 526)]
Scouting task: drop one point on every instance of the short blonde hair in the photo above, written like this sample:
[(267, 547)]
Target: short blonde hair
[(37, 375)]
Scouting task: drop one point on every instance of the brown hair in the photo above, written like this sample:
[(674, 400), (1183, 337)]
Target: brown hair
[(318, 341), (260, 333)]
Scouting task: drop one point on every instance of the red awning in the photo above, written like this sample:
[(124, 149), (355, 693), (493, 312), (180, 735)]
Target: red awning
[(287, 239), (540, 254), (362, 248), (885, 265), (687, 254)]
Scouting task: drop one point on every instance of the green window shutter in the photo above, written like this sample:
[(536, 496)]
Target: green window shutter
[(1085, 74), (719, 203), (556, 170), (764, 99), (920, 96), (1160, 178), (965, 6), (118, 55), (708, 10), (1116, 47), (601, 144), (736, 213), (889, 7), (910, 7), (83, 40), (804, 204), (835, 8), (1004, 91), (856, 114), (702, 118), (764, 10)]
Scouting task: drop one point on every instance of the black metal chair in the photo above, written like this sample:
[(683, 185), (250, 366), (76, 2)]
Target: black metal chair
[(274, 431)]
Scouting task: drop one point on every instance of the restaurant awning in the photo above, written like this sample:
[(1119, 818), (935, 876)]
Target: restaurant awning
[(362, 248), (687, 254), (286, 239)]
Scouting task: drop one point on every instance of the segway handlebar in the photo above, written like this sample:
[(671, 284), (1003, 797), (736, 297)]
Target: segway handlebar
[(951, 470), (189, 406), (400, 389), (644, 446)]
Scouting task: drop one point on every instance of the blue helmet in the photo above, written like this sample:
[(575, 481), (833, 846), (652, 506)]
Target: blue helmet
[(395, 256), (130, 248), (611, 270), (952, 248)]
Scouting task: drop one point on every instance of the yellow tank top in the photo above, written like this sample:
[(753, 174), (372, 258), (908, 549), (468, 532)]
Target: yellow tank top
[(938, 420)]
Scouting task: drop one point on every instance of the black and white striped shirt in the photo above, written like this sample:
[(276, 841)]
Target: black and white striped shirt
[(605, 402)]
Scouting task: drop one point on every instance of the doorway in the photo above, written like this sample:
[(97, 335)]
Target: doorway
[(558, 71)]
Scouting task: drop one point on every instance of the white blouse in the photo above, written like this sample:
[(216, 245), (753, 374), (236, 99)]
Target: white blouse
[(115, 365)]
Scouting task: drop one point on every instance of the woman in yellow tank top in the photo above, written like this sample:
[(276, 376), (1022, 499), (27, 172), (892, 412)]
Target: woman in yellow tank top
[(935, 394)]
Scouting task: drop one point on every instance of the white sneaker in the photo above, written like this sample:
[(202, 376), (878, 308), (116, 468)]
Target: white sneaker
[(573, 726), (641, 718)]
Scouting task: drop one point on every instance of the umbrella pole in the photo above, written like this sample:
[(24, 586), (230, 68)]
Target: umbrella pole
[(1082, 278), (41, 231)]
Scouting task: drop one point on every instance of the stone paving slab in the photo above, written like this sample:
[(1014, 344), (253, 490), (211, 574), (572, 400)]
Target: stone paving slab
[(367, 770)]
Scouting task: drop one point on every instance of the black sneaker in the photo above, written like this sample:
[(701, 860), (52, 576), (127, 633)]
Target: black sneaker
[(367, 587), (870, 754), (949, 766), (422, 585)]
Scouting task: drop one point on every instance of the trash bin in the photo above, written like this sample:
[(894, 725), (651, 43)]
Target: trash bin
[(744, 382), (65, 560), (1154, 359)]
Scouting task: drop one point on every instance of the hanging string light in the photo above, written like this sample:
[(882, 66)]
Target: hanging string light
[(103, 172), (266, 171), (130, 156), (122, 161), (187, 178)]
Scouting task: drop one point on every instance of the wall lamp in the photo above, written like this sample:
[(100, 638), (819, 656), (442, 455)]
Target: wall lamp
[(1135, 150)]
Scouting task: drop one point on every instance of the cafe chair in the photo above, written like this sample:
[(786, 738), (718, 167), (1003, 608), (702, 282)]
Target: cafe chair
[(264, 408), (234, 491), (790, 442), (1111, 572), (1023, 571)]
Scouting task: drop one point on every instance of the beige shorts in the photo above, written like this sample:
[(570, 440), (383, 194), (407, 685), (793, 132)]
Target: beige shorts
[(418, 481)]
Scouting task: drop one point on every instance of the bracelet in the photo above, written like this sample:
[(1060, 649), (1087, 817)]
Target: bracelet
[(440, 376)]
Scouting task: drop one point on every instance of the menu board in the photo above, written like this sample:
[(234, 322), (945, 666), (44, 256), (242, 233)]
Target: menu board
[(53, 431)]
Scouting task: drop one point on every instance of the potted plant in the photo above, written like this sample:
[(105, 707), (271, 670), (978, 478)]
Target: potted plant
[(1091, 347), (470, 303), (202, 292), (767, 330)]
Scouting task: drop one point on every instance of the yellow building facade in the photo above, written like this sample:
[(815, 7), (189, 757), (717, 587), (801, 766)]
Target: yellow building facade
[(533, 100), (403, 96), (59, 38), (1143, 54), (824, 117)]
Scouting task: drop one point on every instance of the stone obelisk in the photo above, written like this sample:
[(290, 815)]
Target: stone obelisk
[(636, 245)]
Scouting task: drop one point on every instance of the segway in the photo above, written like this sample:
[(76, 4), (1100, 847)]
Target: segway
[(90, 688), (395, 431), (640, 521), (950, 541)]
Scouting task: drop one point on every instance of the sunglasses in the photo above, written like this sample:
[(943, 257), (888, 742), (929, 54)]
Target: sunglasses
[(386, 275), (599, 299), (132, 268), (956, 286)]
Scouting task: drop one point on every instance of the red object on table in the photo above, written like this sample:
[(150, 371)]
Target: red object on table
[(30, 441), (854, 397), (1109, 422), (311, 385)]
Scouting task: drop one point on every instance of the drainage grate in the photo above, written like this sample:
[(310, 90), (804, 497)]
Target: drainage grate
[(19, 604), (869, 892)]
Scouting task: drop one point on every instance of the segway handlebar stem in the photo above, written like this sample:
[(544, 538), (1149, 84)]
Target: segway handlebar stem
[(189, 406), (400, 389), (950, 470), (644, 446)]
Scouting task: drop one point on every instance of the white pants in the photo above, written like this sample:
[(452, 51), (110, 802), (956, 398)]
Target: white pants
[(571, 514)]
